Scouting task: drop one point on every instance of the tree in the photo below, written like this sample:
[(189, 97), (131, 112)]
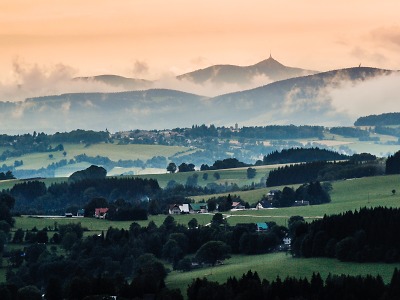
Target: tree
[(218, 219), (93, 172), (217, 175), (192, 180), (183, 167), (212, 251), (205, 176), (193, 223), (251, 173), (287, 197), (171, 167), (51, 156), (29, 292)]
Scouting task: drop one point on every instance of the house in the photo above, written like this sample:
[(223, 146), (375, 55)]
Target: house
[(263, 204), (100, 213), (271, 194), (199, 208), (301, 203), (68, 215), (185, 208), (262, 226), (175, 209), (237, 205)]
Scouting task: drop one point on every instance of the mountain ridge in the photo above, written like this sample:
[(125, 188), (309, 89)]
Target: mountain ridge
[(226, 73)]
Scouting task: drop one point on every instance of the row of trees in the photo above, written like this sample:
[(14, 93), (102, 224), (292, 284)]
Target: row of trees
[(250, 286)]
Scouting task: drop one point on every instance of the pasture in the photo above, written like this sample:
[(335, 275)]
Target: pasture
[(280, 264), (113, 151), (346, 195)]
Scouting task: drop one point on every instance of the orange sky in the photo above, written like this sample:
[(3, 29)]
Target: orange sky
[(146, 38)]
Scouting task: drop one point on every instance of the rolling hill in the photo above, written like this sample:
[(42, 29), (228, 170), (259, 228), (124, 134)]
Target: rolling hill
[(118, 81), (300, 100)]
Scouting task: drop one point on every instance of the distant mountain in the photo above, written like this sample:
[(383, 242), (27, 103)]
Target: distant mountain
[(300, 100), (119, 81), (221, 74)]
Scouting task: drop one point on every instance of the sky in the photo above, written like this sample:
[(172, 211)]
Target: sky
[(150, 38)]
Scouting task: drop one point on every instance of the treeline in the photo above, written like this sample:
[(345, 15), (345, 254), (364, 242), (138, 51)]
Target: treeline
[(379, 120), (367, 235), (387, 131), (277, 132), (294, 155), (393, 164), (41, 142), (250, 286), (34, 197), (324, 171), (228, 163), (313, 193), (350, 132), (7, 175), (119, 255)]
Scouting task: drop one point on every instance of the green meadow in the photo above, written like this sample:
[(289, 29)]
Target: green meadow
[(113, 151), (280, 264)]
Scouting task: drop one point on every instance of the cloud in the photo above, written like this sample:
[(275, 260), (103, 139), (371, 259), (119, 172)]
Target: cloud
[(33, 80), (208, 88), (387, 35), (374, 96), (140, 68)]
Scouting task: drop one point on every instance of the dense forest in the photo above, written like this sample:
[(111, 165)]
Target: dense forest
[(294, 155), (34, 197), (312, 193), (367, 235), (129, 263), (251, 286), (326, 171), (350, 132), (379, 120), (393, 164)]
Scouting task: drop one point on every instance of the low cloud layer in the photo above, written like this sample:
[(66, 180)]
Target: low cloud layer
[(208, 88), (374, 96), (32, 80)]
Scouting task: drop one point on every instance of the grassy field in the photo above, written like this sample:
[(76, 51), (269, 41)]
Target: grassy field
[(97, 225), (114, 151), (228, 176), (270, 266), (346, 195)]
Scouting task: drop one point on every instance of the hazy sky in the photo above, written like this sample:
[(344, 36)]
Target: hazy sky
[(147, 38)]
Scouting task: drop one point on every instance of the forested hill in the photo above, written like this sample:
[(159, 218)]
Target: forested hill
[(289, 101), (379, 120), (293, 100), (294, 155)]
